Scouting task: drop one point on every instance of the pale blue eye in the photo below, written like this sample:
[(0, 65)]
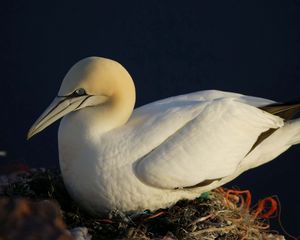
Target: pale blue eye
[(80, 91)]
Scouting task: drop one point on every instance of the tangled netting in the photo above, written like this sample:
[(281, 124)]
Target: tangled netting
[(219, 214)]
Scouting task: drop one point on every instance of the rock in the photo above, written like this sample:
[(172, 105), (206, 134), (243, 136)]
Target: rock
[(24, 219)]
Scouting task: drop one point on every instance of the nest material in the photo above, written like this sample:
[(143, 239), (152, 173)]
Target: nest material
[(214, 215)]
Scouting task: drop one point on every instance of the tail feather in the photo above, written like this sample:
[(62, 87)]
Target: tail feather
[(287, 111), (294, 131)]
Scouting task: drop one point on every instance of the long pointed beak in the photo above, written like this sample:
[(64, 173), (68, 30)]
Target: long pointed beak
[(57, 109)]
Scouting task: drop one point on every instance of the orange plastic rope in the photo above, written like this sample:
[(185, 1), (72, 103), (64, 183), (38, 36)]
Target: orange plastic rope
[(262, 206), (106, 221), (246, 202), (155, 215), (240, 195)]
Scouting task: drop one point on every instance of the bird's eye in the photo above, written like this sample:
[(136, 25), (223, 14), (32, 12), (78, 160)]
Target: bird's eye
[(80, 92)]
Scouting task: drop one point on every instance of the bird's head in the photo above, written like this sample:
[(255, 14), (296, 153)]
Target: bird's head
[(90, 82)]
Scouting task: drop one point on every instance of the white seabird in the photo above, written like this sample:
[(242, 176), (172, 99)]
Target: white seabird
[(113, 156)]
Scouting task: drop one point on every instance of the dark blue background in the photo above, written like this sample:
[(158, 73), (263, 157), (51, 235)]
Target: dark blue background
[(170, 48)]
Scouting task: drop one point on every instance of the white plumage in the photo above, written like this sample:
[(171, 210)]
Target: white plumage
[(151, 157)]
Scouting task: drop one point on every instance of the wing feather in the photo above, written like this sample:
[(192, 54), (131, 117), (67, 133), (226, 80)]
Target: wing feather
[(209, 146)]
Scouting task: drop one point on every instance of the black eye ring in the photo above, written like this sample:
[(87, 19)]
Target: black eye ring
[(77, 93), (80, 92)]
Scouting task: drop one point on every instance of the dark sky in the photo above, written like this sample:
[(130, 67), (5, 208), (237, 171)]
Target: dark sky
[(170, 48)]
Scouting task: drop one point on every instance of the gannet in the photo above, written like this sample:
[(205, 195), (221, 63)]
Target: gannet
[(113, 156)]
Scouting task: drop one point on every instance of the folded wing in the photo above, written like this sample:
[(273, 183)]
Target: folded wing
[(209, 146)]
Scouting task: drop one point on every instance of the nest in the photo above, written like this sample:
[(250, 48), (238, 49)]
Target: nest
[(219, 214)]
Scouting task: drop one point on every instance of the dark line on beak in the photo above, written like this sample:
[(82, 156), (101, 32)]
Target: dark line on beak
[(51, 112), (83, 101), (58, 112), (61, 101), (66, 107)]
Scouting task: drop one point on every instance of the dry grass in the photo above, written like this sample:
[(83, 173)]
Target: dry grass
[(215, 215)]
